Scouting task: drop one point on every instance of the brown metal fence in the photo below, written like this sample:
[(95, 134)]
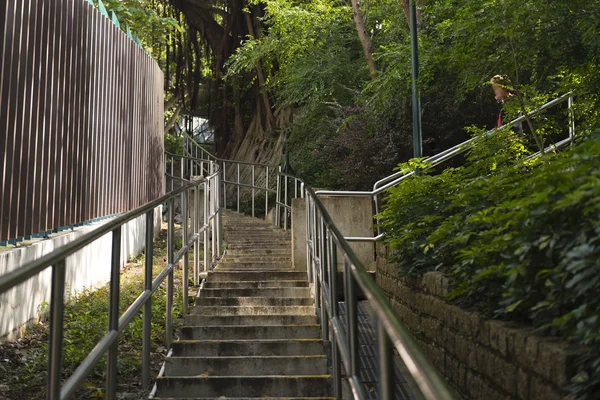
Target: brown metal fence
[(81, 118)]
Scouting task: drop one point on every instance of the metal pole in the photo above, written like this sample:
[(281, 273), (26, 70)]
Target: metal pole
[(206, 225), (308, 238), (238, 187), (416, 98), (218, 213), (335, 355), (196, 230), (324, 255), (55, 341), (386, 367), (172, 173), (165, 177), (212, 213), (278, 200), (253, 190), (224, 187), (170, 257), (148, 305), (113, 314), (186, 260), (267, 192), (285, 211), (571, 119), (352, 321)]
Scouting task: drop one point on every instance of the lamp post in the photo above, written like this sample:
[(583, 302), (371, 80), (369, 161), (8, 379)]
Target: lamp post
[(416, 98)]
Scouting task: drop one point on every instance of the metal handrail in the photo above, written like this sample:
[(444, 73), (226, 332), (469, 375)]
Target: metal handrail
[(395, 179), (323, 240), (109, 343)]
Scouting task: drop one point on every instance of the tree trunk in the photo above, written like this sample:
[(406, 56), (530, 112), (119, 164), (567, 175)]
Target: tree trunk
[(261, 79), (365, 41)]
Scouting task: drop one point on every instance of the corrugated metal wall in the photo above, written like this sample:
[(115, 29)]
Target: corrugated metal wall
[(81, 118)]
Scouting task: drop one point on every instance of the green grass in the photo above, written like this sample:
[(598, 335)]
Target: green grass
[(86, 322)]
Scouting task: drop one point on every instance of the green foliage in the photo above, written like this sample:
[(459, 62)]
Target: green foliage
[(86, 322), (520, 240), (145, 20), (346, 124)]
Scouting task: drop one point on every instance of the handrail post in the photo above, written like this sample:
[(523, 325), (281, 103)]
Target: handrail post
[(170, 257), (196, 230), (386, 366), (308, 238), (253, 190), (317, 268), (147, 324), (206, 226), (323, 257), (55, 340), (238, 187), (351, 319), (224, 187), (571, 118), (278, 200), (285, 210), (113, 314), (172, 173), (165, 173), (212, 191), (218, 213), (184, 237), (267, 192), (333, 291)]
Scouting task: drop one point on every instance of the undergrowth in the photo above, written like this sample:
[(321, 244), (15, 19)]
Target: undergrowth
[(86, 322)]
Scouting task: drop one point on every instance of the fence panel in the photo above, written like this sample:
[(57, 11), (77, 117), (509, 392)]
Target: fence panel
[(81, 126)]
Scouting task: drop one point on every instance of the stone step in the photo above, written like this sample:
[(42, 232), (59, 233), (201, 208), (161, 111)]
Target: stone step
[(236, 386), (253, 310), (255, 265), (259, 246), (250, 332), (273, 292), (273, 258), (225, 276), (262, 240), (246, 365), (252, 301), (225, 348), (256, 284), (245, 398), (255, 320), (258, 252)]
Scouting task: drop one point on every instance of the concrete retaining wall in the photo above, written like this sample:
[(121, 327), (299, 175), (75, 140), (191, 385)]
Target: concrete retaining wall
[(87, 268), (353, 215), (482, 359)]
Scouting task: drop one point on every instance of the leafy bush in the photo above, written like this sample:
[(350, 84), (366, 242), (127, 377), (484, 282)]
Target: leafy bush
[(520, 240)]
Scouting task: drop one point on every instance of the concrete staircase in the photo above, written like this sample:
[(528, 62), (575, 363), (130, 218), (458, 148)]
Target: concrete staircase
[(253, 332)]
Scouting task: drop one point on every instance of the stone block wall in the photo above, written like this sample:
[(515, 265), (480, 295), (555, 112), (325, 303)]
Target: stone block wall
[(482, 359)]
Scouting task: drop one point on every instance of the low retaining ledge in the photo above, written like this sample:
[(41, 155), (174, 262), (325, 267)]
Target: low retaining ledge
[(86, 268), (482, 359)]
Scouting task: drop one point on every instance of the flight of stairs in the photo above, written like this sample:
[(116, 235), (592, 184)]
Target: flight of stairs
[(253, 332)]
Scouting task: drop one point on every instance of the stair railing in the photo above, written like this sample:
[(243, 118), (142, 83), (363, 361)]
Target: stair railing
[(323, 244), (395, 179), (108, 345)]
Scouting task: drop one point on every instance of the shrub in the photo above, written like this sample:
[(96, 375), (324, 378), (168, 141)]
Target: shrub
[(520, 240)]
